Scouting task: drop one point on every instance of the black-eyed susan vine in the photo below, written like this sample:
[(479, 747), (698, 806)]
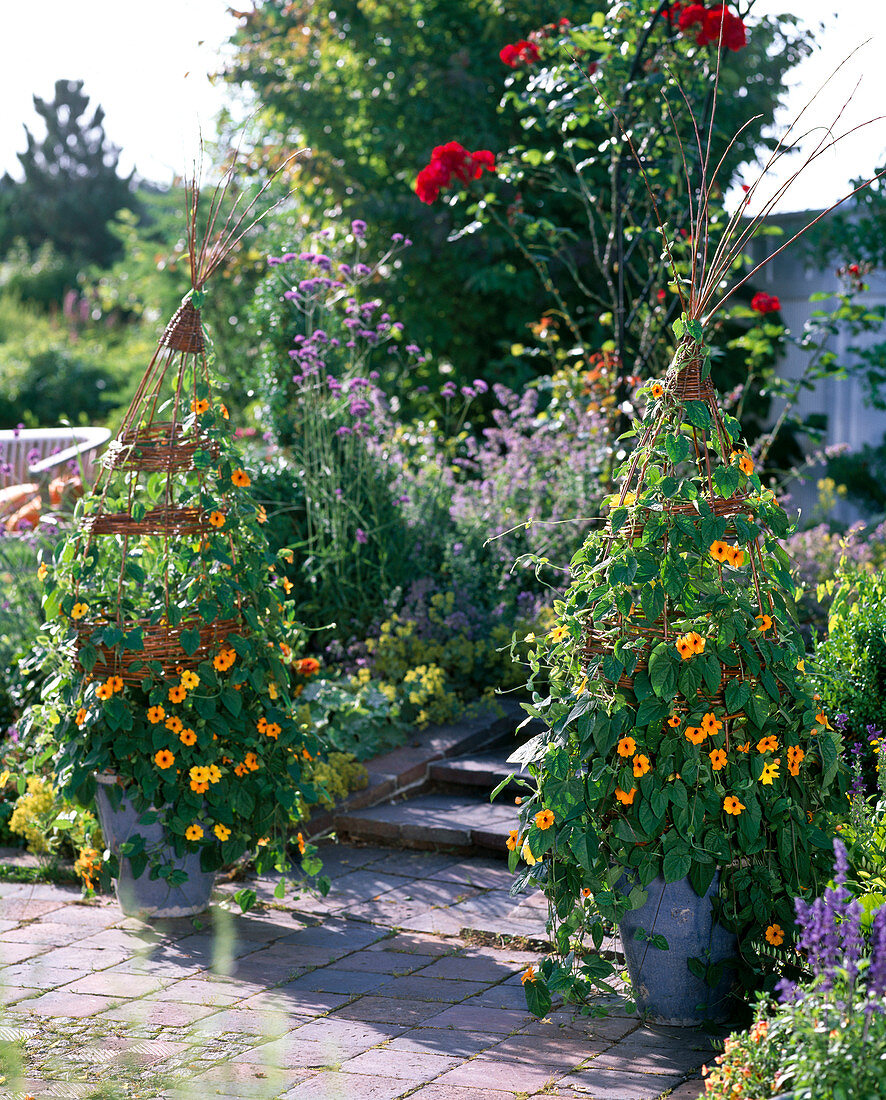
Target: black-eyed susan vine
[(177, 663), (681, 736)]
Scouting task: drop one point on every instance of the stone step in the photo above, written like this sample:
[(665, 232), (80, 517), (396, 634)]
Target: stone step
[(432, 821), (484, 769)]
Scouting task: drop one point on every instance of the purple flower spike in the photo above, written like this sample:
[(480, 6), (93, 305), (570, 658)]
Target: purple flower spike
[(358, 228), (361, 536), (876, 975)]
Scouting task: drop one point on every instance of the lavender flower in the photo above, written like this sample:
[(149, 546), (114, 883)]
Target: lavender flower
[(361, 536), (358, 228), (876, 975)]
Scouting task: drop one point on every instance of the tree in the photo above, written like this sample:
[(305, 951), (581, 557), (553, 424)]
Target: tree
[(71, 187), (373, 86)]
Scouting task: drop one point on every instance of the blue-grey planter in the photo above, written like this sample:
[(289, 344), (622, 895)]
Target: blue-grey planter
[(663, 985), (145, 897)]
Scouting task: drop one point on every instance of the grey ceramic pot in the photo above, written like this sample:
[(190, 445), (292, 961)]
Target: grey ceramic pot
[(663, 985), (143, 896)]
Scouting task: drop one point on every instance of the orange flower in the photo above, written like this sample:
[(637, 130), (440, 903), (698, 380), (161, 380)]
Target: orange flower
[(746, 747), (300, 841), (627, 746), (674, 721), (261, 515), (528, 975), (657, 390), (262, 724), (222, 831), (241, 479), (224, 411), (273, 730), (193, 832), (156, 715), (718, 759), (240, 770), (544, 819), (104, 691), (307, 666), (736, 557), (187, 737), (177, 694), (199, 774), (695, 734), (641, 765), (765, 622), (287, 584), (272, 690), (200, 407), (174, 724), (732, 806), (626, 798), (164, 759), (710, 724), (796, 757), (251, 761), (720, 551), (217, 519), (684, 648), (767, 744), (745, 464), (306, 754), (513, 840), (80, 717), (823, 718), (79, 610), (696, 641), (116, 683), (586, 892), (775, 935), (42, 572)]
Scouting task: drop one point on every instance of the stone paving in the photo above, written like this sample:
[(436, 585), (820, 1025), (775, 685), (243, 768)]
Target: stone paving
[(378, 991)]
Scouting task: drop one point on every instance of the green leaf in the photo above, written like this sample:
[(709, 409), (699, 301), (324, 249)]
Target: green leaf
[(678, 448), (726, 480), (698, 415), (701, 875), (652, 600), (662, 670), (676, 865), (538, 999), (190, 641), (737, 694), (232, 700), (208, 610), (88, 656), (770, 683)]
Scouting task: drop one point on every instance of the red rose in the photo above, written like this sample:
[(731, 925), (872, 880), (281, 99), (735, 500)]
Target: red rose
[(765, 303), (695, 13), (450, 161), (519, 53), (733, 30), (672, 14)]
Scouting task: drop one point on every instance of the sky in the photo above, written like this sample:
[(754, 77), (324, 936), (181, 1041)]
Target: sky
[(148, 65)]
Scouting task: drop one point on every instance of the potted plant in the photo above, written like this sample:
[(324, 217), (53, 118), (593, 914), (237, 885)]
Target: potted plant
[(175, 652)]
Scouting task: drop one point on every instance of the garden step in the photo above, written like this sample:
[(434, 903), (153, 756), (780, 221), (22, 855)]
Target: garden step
[(480, 769), (433, 821)]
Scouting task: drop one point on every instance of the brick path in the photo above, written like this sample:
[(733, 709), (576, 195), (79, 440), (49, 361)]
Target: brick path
[(373, 993)]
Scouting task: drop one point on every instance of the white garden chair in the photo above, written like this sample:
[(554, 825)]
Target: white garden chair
[(38, 454)]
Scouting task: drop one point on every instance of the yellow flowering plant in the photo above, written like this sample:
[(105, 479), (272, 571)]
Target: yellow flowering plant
[(174, 650)]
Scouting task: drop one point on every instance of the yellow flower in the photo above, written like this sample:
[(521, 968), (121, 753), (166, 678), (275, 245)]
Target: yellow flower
[(79, 610), (187, 737), (732, 806), (544, 819), (801, 665), (528, 975), (718, 759), (80, 717), (177, 694), (736, 557), (217, 519), (775, 935), (526, 853), (193, 832), (641, 765), (720, 551), (770, 772), (272, 690), (164, 759), (199, 774), (190, 680), (513, 840), (222, 831), (710, 724), (558, 634), (214, 773), (42, 572), (626, 798), (156, 715), (241, 479)]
